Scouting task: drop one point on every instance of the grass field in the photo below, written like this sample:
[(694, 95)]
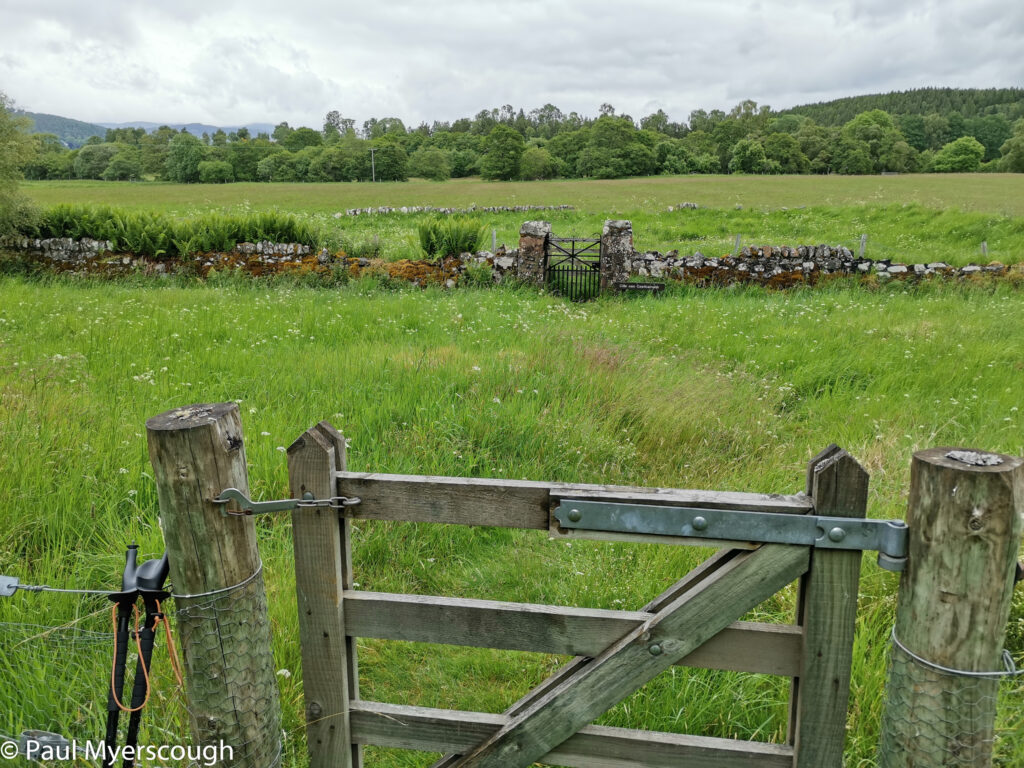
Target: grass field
[(917, 218), (983, 192), (723, 389)]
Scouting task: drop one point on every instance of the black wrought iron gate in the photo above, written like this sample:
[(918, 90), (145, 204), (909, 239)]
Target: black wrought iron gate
[(572, 267)]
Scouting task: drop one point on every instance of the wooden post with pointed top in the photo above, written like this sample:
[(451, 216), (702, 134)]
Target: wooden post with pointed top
[(323, 570), (827, 612), (224, 633), (966, 516)]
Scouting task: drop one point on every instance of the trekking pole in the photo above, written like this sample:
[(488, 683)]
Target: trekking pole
[(125, 601), (149, 580)]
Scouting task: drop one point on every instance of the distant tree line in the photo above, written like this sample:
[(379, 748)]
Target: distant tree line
[(546, 143), (966, 102)]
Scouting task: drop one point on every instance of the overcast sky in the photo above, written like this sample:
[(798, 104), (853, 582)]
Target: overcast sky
[(229, 62)]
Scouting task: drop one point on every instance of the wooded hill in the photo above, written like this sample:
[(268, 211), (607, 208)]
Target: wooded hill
[(968, 102), (71, 133)]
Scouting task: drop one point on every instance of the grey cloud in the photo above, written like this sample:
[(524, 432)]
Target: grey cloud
[(243, 74), (229, 62)]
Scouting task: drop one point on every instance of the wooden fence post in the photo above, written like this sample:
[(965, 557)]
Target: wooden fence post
[(827, 611), (966, 514), (221, 607), (323, 569)]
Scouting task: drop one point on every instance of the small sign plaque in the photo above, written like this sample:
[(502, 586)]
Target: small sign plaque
[(645, 287)]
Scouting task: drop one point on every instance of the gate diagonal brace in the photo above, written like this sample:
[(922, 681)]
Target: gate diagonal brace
[(887, 537), (595, 685)]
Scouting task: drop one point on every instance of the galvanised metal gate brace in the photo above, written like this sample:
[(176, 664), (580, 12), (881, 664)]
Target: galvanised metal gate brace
[(887, 537)]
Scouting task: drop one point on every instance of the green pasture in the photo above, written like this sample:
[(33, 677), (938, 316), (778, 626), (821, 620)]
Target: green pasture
[(912, 218), (985, 192), (731, 389)]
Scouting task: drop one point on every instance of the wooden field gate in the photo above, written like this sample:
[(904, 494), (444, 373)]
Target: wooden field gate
[(693, 623)]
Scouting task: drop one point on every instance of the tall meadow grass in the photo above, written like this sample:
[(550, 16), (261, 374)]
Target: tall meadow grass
[(731, 389)]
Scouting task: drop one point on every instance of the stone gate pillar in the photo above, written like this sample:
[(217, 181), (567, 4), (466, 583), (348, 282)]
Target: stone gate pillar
[(533, 236), (616, 253)]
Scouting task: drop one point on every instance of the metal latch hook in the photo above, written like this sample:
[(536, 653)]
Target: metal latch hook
[(248, 507)]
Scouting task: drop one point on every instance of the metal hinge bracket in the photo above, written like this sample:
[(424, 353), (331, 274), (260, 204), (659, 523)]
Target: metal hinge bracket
[(887, 537), (8, 585), (247, 507)]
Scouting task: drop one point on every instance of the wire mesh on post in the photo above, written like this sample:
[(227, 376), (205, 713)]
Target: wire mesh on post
[(223, 664), (943, 717), (55, 677)]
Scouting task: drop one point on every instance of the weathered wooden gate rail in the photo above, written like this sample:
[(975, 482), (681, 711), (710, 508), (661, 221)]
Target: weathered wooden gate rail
[(953, 605), (694, 623)]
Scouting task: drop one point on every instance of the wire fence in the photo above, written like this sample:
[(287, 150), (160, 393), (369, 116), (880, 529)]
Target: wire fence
[(58, 675), (54, 673), (228, 703), (943, 717)]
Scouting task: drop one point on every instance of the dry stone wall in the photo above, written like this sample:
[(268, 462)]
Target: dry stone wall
[(59, 249), (470, 209), (264, 258), (787, 265), (777, 266)]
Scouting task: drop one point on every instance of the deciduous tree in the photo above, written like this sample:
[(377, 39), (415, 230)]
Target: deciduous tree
[(16, 148), (962, 155), (92, 159), (430, 163), (504, 148), (785, 150), (1012, 151), (748, 156), (216, 172), (126, 165), (537, 163), (184, 154)]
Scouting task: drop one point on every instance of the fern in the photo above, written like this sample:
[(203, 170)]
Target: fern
[(157, 235), (449, 236)]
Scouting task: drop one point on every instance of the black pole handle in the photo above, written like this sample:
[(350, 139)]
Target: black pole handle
[(139, 688), (117, 686)]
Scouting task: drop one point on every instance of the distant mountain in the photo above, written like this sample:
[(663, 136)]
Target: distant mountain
[(196, 129), (73, 133), (969, 102)]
